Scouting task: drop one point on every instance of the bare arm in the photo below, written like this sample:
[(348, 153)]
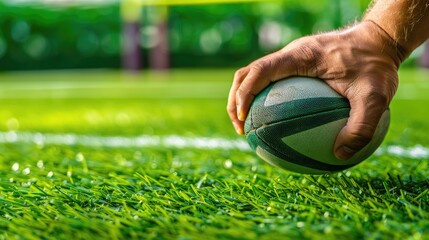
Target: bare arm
[(405, 21), (359, 62)]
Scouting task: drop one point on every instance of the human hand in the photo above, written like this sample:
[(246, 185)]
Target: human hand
[(360, 63)]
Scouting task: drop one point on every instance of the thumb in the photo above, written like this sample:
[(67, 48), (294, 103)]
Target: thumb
[(365, 114)]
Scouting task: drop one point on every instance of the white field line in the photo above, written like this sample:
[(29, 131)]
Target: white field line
[(170, 141), (414, 152)]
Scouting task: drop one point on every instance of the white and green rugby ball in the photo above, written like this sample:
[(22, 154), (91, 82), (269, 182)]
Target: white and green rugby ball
[(294, 122)]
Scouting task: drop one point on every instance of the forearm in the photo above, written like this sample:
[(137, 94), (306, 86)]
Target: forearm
[(405, 21)]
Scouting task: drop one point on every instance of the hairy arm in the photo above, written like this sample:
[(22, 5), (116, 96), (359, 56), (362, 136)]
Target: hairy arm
[(405, 21)]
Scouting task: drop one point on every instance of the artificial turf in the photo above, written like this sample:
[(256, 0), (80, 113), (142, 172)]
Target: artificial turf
[(76, 191)]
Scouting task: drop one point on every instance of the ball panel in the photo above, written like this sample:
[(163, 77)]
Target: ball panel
[(253, 139), (260, 115), (277, 131), (317, 143), (298, 88), (276, 147), (278, 162), (309, 151)]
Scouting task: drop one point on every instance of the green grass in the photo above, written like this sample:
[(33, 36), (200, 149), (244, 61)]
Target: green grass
[(50, 191)]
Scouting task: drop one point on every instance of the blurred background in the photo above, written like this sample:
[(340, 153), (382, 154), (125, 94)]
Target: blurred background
[(133, 34)]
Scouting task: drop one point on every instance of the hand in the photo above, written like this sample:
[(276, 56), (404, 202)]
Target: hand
[(360, 63)]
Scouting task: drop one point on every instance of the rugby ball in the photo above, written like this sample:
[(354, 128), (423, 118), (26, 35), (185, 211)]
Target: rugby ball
[(293, 124)]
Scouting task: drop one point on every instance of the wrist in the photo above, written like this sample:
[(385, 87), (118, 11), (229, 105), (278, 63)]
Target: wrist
[(404, 21), (387, 44)]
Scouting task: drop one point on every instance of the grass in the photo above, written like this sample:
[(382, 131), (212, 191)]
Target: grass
[(54, 191)]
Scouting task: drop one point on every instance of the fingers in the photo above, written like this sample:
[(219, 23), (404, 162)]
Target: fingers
[(247, 83), (365, 114), (232, 105), (259, 76), (299, 58)]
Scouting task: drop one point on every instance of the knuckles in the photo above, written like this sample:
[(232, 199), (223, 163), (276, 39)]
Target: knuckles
[(306, 55), (242, 95), (231, 109), (260, 67), (240, 73)]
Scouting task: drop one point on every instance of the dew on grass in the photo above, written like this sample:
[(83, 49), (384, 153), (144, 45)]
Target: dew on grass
[(15, 167), (40, 164), (326, 214), (228, 163), (50, 174), (26, 171), (26, 184), (300, 224), (10, 179), (255, 177), (348, 173), (80, 157)]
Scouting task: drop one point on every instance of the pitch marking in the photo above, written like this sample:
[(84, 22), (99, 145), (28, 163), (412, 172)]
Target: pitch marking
[(171, 141)]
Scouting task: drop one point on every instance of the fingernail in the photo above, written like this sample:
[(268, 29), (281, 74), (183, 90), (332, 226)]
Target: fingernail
[(239, 113), (344, 153), (241, 116)]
